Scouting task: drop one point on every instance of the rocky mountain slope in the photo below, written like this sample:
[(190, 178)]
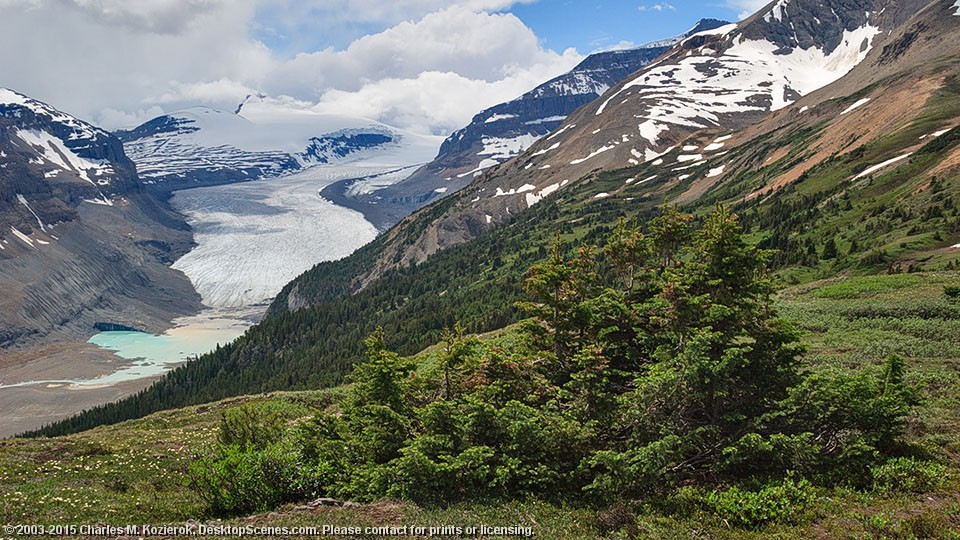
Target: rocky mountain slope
[(503, 132), (263, 138), (80, 243), (722, 80)]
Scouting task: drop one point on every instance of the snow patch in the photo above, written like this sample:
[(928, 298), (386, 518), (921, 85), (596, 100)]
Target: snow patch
[(713, 147), (592, 154), (879, 166), (499, 117), (441, 190), (601, 195), (651, 155), (545, 150), (561, 130), (545, 120), (534, 199), (102, 201), (23, 238), (936, 133), (651, 130), (717, 171), (690, 148), (23, 201), (855, 105), (54, 151), (689, 157)]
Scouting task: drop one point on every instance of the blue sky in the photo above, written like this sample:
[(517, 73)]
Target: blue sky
[(586, 26)]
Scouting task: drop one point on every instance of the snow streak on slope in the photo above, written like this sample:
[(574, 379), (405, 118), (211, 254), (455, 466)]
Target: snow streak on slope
[(55, 153)]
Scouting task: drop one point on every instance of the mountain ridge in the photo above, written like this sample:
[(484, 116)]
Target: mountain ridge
[(264, 138), (503, 131)]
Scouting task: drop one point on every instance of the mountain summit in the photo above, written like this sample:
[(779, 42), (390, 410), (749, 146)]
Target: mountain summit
[(264, 138)]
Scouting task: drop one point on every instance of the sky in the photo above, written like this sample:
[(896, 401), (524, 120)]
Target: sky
[(426, 66)]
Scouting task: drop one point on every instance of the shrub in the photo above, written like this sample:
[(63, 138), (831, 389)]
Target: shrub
[(257, 424), (773, 502), (234, 480), (952, 291), (907, 474)]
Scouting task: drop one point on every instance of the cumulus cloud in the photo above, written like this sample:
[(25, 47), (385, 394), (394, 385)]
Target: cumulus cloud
[(746, 8), (159, 16), (662, 6), (429, 67)]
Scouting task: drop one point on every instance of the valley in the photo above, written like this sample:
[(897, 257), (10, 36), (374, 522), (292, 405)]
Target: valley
[(251, 238), (706, 287)]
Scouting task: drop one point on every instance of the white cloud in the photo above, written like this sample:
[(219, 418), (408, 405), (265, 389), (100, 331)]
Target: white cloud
[(158, 16), (117, 62), (661, 6), (746, 8)]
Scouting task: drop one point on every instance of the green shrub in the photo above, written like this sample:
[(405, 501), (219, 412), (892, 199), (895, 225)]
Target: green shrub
[(951, 291), (235, 480), (773, 502), (907, 474), (257, 424)]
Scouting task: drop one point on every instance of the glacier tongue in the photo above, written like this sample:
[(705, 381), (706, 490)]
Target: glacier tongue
[(254, 237)]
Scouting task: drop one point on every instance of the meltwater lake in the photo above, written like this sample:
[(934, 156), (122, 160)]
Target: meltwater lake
[(150, 355)]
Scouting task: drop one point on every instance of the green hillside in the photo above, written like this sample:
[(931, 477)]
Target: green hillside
[(140, 471)]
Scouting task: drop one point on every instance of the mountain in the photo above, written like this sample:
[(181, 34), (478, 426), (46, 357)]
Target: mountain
[(263, 138), (722, 79), (80, 243), (859, 176), (503, 131)]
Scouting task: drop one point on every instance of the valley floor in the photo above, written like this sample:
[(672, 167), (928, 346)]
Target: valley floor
[(30, 407)]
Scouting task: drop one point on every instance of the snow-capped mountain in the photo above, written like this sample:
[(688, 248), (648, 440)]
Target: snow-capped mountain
[(49, 163), (504, 131), (62, 149), (264, 137), (80, 242), (720, 80)]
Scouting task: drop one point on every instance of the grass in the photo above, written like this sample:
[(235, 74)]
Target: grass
[(135, 472)]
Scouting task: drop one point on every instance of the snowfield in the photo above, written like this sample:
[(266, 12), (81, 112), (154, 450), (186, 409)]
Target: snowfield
[(254, 237)]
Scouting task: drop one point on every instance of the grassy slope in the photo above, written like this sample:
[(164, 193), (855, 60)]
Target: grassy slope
[(134, 472)]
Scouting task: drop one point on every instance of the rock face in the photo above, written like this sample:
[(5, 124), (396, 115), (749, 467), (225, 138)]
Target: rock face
[(80, 242), (720, 80), (504, 131)]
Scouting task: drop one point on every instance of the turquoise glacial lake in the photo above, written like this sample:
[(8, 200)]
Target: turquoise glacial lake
[(150, 355)]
